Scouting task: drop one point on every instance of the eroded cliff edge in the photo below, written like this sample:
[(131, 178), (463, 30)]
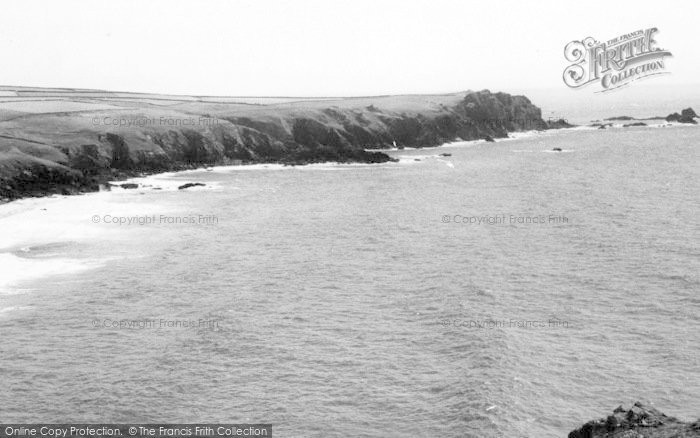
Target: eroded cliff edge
[(72, 142)]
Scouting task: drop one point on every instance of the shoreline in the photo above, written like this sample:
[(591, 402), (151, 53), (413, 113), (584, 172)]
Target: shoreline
[(109, 182), (97, 143), (97, 140), (147, 177)]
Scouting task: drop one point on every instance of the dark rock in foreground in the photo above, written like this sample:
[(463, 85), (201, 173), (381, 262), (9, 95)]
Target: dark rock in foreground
[(634, 124), (188, 185), (639, 421)]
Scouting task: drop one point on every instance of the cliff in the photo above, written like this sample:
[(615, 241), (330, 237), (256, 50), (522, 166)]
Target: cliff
[(639, 421), (70, 141)]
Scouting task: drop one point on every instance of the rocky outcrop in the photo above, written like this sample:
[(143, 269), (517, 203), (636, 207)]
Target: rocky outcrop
[(639, 421), (73, 152), (188, 185), (559, 124), (688, 115)]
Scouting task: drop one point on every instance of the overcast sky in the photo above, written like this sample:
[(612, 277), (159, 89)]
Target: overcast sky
[(323, 47)]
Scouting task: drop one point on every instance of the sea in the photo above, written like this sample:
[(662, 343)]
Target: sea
[(469, 290)]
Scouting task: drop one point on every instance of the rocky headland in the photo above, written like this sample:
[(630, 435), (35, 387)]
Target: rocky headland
[(639, 421), (58, 141)]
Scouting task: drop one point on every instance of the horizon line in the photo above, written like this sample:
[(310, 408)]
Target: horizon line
[(99, 90)]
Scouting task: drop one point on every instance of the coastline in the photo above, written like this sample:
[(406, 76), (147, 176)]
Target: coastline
[(96, 140), (113, 182), (517, 135)]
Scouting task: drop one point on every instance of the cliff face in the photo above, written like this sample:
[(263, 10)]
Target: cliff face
[(88, 139), (637, 422)]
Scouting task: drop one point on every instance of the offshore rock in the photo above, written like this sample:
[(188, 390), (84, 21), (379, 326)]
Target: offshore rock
[(688, 115), (188, 185)]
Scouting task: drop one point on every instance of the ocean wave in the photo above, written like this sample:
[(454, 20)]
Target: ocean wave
[(11, 309), (168, 182), (43, 237), (171, 181), (17, 270)]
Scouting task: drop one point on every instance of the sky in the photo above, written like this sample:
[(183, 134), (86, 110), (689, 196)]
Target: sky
[(323, 47)]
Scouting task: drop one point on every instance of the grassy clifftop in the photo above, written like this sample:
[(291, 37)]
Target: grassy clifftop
[(68, 141)]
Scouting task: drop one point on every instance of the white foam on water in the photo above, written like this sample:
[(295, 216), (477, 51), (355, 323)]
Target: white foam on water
[(43, 237), (325, 166), (523, 134), (420, 157), (336, 166), (11, 309), (168, 182), (390, 149), (414, 159), (270, 166), (329, 165), (653, 124), (39, 221), (517, 135), (16, 270), (457, 144)]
